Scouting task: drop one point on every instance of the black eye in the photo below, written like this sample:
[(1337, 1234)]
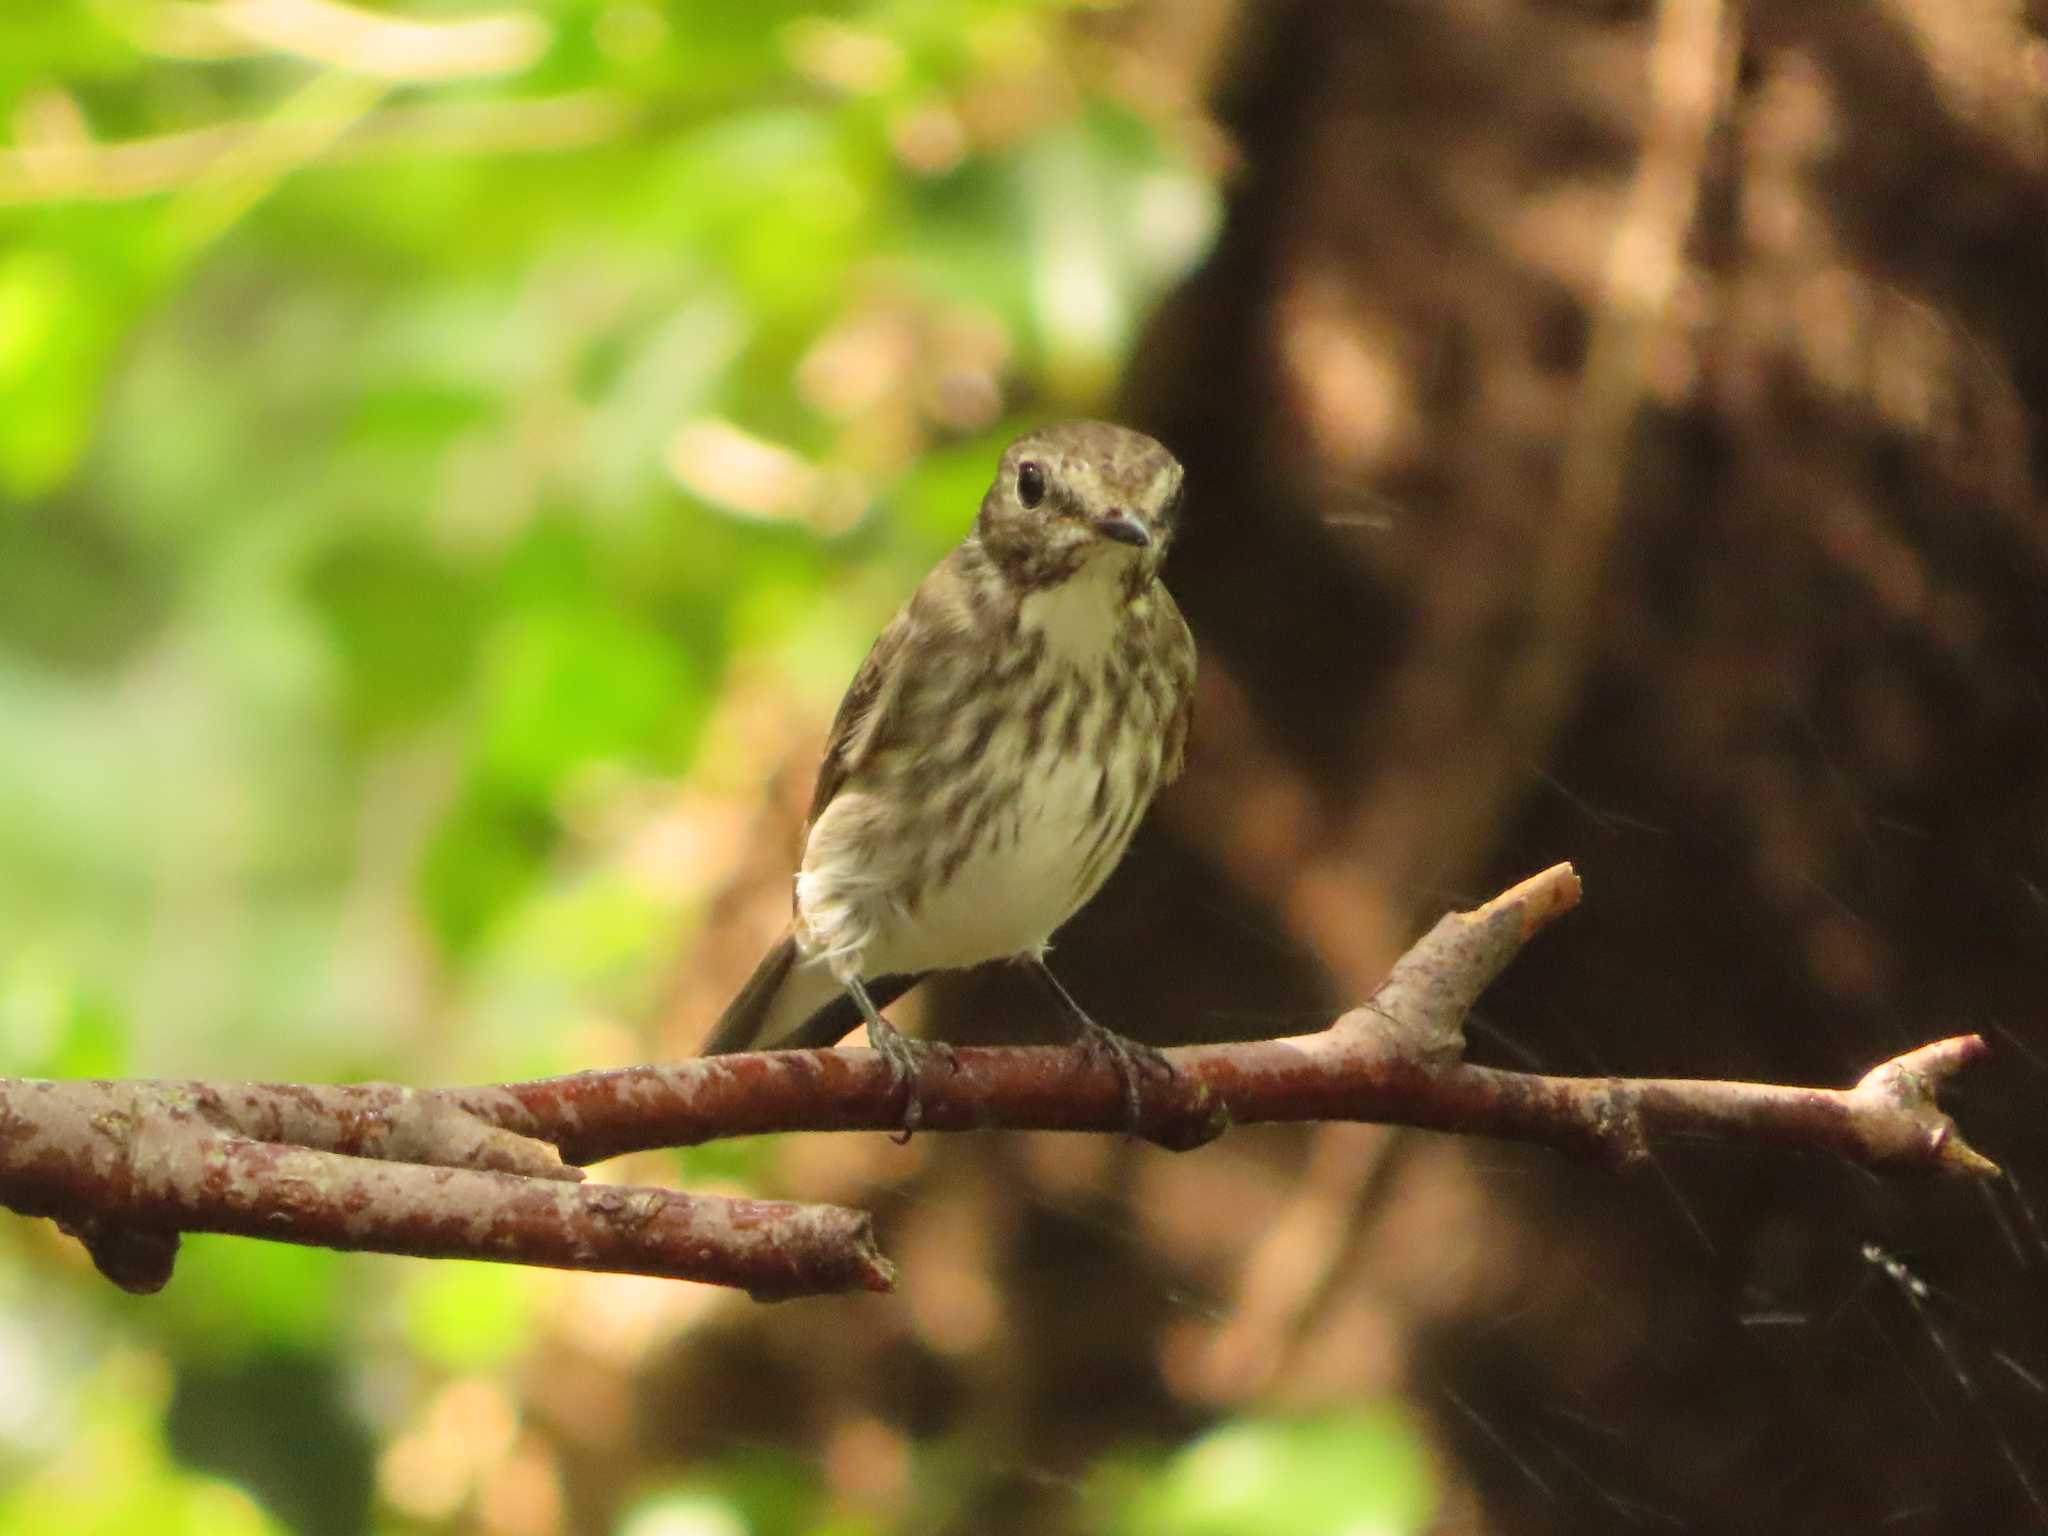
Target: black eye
[(1030, 483)]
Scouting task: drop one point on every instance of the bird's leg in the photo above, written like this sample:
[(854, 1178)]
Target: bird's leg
[(906, 1057), (1129, 1059)]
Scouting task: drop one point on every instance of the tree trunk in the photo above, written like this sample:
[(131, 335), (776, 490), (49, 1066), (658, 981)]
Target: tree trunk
[(1613, 432)]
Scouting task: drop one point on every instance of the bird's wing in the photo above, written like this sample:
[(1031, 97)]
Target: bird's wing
[(916, 659), (862, 713), (1174, 757)]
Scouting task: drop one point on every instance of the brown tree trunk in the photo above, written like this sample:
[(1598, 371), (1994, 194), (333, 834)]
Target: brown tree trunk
[(1616, 436)]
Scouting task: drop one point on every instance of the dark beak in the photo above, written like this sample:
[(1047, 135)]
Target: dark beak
[(1125, 529)]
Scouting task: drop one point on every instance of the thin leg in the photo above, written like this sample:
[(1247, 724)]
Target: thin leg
[(1130, 1059), (906, 1057)]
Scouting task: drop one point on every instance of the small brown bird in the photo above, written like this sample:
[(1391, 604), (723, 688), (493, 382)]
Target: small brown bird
[(994, 755)]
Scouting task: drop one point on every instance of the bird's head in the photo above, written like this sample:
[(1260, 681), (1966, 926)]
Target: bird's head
[(1080, 492)]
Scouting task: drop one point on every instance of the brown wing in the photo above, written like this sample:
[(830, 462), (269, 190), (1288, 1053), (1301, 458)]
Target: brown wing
[(1174, 758), (1182, 643), (861, 712), (915, 653)]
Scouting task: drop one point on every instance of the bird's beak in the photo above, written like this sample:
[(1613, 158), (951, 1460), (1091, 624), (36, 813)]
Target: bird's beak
[(1124, 529)]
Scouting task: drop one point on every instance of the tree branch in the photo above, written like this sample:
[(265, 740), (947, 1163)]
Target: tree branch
[(484, 1172), (127, 1167), (1393, 1060)]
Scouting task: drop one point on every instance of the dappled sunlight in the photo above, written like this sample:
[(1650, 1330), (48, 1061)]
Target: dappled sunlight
[(454, 457), (428, 441), (742, 473)]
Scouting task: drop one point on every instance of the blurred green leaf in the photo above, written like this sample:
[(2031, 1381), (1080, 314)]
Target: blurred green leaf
[(481, 861), (568, 684), (55, 336), (684, 1514), (403, 624), (279, 1423), (467, 1317), (756, 1493), (115, 1477), (235, 1298), (1340, 1474), (51, 1026), (357, 633)]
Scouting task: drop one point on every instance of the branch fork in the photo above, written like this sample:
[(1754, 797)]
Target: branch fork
[(492, 1172)]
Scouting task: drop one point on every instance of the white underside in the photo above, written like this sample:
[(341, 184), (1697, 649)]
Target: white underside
[(1040, 856), (1025, 877)]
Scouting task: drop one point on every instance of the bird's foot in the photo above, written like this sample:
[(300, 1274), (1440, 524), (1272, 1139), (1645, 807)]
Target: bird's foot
[(1131, 1060), (907, 1058)]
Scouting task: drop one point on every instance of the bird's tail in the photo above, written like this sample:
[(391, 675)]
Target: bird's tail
[(793, 1004), (771, 1009)]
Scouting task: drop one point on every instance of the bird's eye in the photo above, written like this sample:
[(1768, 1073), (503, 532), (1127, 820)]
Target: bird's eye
[(1030, 483)]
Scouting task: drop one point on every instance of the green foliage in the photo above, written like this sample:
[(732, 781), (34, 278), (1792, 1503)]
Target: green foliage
[(758, 1494), (115, 1477), (278, 1423), (336, 425), (362, 605), (1339, 1474), (467, 1317)]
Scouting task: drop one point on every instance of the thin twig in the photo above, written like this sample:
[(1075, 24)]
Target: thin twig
[(77, 168)]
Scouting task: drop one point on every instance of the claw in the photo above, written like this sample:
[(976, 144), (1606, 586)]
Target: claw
[(1130, 1059), (906, 1058)]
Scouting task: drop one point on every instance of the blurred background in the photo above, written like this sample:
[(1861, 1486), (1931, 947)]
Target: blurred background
[(452, 458)]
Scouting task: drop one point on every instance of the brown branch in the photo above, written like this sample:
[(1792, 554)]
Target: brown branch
[(481, 1172), (1393, 1060), (129, 1166)]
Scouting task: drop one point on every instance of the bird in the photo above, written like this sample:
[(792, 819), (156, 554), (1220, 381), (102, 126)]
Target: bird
[(992, 758)]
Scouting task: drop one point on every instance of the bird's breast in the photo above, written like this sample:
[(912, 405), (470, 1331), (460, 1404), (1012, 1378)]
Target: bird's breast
[(1007, 777), (1037, 824)]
